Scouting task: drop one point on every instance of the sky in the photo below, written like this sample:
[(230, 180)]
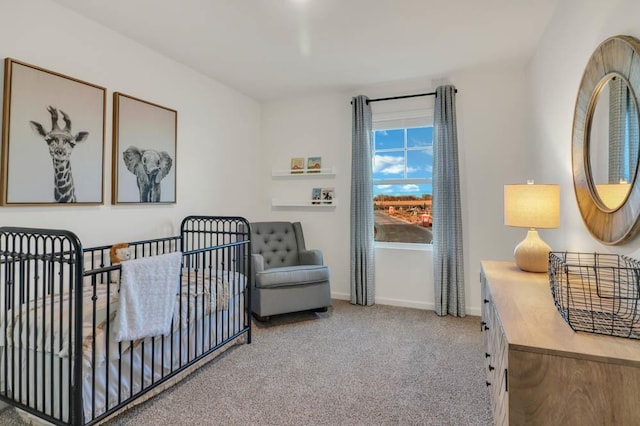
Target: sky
[(389, 160)]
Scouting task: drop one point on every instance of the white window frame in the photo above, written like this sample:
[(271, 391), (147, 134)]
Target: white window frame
[(401, 120), (393, 121), (405, 149)]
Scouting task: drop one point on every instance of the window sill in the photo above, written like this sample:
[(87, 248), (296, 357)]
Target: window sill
[(403, 246)]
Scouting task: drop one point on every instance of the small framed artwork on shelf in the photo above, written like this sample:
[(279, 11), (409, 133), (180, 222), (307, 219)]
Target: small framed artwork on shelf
[(326, 195), (297, 165), (314, 164), (316, 194)]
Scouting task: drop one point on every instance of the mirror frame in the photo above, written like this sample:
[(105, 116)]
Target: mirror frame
[(618, 55)]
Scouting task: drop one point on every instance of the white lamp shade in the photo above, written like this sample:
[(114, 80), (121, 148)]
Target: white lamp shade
[(532, 206)]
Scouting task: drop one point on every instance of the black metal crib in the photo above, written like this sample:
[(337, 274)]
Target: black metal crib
[(58, 358)]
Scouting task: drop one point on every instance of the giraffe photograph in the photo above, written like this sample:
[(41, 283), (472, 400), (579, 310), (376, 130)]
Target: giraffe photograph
[(53, 138), (144, 151)]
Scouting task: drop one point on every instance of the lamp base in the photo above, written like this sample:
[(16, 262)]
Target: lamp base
[(532, 254)]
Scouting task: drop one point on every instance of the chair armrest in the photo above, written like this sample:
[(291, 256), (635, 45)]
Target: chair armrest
[(258, 263), (310, 257)]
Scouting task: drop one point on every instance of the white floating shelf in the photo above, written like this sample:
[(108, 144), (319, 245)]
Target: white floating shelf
[(278, 202), (318, 172)]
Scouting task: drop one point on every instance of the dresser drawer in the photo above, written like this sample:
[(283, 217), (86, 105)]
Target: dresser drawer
[(496, 357)]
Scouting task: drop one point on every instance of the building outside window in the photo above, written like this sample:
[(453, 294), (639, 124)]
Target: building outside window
[(402, 182)]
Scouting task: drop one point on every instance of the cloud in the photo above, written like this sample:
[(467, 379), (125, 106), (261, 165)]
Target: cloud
[(395, 165), (388, 164), (410, 188), (419, 142)]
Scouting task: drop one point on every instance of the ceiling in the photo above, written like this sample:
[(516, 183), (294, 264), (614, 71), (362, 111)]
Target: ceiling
[(275, 49)]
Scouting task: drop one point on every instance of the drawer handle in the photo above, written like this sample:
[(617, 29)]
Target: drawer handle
[(487, 354), (488, 384), (506, 380), (486, 300), (491, 367), (486, 328)]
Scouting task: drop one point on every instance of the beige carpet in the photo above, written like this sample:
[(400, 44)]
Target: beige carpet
[(353, 365)]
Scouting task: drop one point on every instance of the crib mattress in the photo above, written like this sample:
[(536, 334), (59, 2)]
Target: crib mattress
[(50, 329), (205, 315)]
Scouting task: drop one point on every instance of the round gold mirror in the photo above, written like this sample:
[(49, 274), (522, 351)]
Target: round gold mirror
[(605, 141)]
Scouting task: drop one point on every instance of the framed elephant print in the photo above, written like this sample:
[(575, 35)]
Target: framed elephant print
[(52, 138), (144, 151)]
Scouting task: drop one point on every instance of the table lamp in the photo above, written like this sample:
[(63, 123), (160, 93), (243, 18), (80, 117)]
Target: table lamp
[(532, 206)]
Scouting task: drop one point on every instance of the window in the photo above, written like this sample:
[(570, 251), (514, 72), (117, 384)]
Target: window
[(402, 183)]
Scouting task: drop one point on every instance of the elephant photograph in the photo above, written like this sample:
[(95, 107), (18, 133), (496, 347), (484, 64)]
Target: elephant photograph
[(144, 152), (150, 167)]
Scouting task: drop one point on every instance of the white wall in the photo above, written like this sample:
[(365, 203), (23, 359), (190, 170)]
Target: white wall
[(576, 30), (218, 129), (224, 169), (492, 122), (318, 126)]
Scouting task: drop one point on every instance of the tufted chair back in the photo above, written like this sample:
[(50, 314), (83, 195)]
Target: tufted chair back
[(278, 242)]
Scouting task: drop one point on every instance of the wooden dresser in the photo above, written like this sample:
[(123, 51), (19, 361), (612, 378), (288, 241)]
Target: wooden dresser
[(541, 372)]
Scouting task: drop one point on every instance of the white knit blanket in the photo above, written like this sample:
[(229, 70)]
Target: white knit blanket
[(147, 296)]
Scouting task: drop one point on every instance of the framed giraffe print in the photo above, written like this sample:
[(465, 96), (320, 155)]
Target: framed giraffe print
[(52, 138), (144, 152)]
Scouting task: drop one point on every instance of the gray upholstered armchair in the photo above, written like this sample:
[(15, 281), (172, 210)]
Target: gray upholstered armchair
[(287, 276)]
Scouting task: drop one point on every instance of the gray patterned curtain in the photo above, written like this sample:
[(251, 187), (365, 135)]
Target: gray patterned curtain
[(632, 128), (617, 106), (623, 135), (362, 250), (448, 264)]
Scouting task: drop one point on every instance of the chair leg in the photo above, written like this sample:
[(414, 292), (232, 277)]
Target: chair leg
[(262, 319)]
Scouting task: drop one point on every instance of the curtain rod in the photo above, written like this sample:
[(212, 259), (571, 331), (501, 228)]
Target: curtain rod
[(403, 97)]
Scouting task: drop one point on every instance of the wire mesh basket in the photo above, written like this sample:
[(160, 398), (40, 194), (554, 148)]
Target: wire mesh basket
[(596, 292)]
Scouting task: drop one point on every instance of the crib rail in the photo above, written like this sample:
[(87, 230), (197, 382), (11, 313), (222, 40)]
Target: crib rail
[(36, 266), (232, 233), (59, 360)]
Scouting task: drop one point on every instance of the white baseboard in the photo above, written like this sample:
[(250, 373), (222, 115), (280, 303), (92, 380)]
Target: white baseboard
[(474, 311), (403, 303), (340, 296)]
